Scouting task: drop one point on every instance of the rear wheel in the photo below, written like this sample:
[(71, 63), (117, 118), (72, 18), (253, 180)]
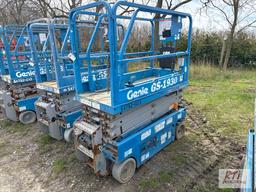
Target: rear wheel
[(27, 117), (124, 171), (69, 135), (180, 131)]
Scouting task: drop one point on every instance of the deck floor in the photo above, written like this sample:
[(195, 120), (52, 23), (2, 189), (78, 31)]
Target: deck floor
[(103, 97), (144, 80), (52, 84)]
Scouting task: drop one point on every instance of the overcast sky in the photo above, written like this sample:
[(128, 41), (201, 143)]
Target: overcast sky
[(210, 21)]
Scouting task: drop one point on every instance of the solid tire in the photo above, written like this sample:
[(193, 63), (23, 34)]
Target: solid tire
[(180, 131), (69, 135), (27, 117), (124, 171)]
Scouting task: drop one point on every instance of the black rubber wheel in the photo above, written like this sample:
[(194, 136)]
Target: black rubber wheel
[(180, 131), (124, 171), (27, 117)]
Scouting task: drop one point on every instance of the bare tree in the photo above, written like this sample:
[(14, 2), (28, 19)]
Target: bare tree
[(239, 16), (16, 11), (55, 8)]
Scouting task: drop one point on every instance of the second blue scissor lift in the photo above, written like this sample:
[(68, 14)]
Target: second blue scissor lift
[(133, 113), (56, 108)]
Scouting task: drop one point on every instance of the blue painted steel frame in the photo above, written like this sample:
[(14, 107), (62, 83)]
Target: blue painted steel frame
[(18, 70), (27, 104), (144, 92), (146, 142), (14, 70), (63, 75), (249, 164)]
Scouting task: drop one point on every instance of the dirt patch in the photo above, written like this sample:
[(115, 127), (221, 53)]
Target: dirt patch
[(250, 90), (34, 162)]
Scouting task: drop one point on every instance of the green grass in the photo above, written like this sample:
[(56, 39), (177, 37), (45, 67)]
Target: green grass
[(225, 98), (45, 139), (45, 143), (62, 164), (58, 166), (149, 184), (3, 147), (155, 183), (165, 177), (2, 144), (179, 159), (14, 127)]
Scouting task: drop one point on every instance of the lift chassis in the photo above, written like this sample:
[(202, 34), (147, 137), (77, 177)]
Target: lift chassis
[(18, 102), (131, 138), (56, 113)]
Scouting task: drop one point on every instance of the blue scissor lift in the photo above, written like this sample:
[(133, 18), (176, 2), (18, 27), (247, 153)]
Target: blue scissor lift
[(56, 108), (19, 92), (133, 113)]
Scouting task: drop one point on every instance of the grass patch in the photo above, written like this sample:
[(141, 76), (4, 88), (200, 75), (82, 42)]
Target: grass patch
[(45, 142), (2, 144), (45, 139), (6, 123), (58, 166), (155, 183), (226, 190), (164, 176), (63, 163), (5, 148), (179, 159), (146, 184), (14, 127), (224, 98)]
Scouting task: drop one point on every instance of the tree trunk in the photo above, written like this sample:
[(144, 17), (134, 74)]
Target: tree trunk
[(232, 32), (228, 52), (229, 47), (156, 32), (156, 36), (223, 51)]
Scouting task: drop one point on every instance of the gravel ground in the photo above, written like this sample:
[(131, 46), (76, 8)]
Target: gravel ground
[(31, 161)]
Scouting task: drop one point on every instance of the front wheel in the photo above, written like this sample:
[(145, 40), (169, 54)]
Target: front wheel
[(124, 171), (180, 131), (27, 117)]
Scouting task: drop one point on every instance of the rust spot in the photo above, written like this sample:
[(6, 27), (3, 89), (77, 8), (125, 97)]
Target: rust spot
[(174, 106)]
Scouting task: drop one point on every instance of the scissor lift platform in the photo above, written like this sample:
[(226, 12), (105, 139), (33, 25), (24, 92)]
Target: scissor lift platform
[(138, 92), (135, 112)]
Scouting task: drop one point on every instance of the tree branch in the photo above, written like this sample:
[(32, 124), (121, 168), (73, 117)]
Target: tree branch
[(246, 26), (126, 10), (223, 12), (180, 4)]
